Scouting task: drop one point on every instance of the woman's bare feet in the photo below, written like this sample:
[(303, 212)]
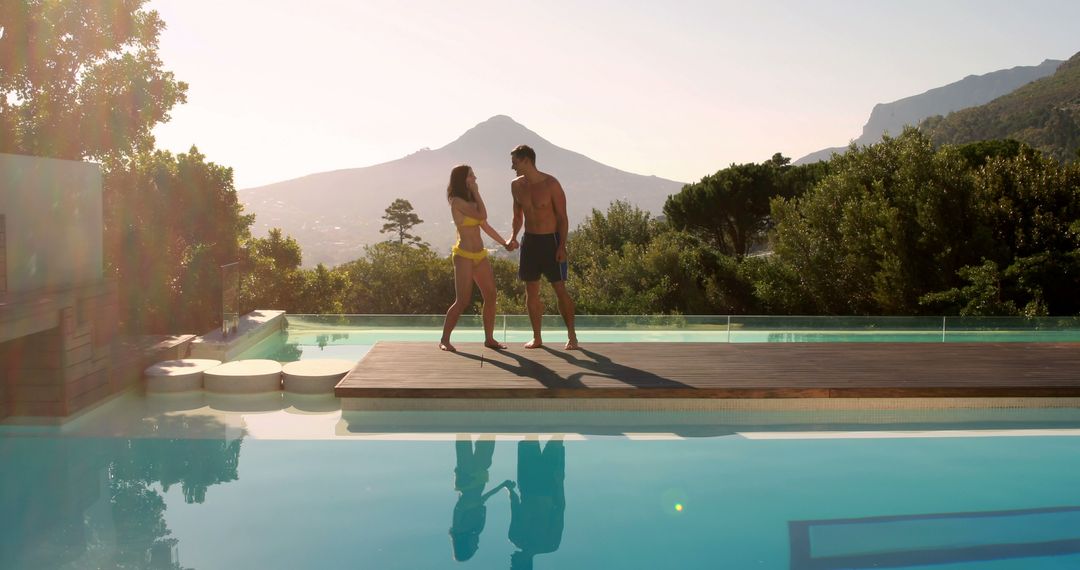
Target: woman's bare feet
[(494, 344), (445, 345), (534, 343), (572, 344)]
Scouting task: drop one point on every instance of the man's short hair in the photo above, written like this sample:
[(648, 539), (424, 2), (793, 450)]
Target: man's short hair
[(524, 151)]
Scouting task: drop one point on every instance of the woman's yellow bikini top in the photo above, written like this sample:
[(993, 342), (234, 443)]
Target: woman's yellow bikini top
[(466, 221)]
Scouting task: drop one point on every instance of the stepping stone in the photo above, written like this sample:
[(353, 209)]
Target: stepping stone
[(177, 375), (244, 377), (315, 376)]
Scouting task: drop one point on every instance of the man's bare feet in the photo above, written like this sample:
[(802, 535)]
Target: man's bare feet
[(572, 344), (445, 345), (534, 343), (494, 344)]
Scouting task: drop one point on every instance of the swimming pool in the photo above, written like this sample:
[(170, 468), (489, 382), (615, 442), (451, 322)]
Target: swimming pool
[(165, 484), (351, 336), (282, 481)]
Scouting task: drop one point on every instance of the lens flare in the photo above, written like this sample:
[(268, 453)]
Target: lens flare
[(678, 507)]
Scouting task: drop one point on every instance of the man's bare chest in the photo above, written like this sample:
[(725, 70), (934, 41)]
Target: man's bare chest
[(537, 197)]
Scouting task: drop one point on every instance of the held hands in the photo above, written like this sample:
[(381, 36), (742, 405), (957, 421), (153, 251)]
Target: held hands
[(512, 244)]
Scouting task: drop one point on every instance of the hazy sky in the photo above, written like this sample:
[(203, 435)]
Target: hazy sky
[(679, 89)]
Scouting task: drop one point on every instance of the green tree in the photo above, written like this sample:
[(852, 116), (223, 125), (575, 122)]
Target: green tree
[(400, 219), (323, 291), (82, 79), (171, 221), (729, 210), (982, 296), (395, 278), (270, 272), (889, 223)]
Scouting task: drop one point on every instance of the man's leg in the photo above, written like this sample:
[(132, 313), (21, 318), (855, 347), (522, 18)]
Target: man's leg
[(536, 312), (566, 309)]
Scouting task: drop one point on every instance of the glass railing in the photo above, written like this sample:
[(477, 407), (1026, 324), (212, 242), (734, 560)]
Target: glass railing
[(708, 328)]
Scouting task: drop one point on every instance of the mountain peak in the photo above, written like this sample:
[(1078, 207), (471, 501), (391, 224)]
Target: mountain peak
[(500, 131)]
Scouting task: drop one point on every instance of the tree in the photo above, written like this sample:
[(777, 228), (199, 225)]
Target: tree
[(400, 218), (729, 210), (395, 278), (890, 222), (82, 79), (171, 221), (323, 291), (270, 269)]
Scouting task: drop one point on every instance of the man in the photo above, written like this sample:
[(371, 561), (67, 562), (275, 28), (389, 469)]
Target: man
[(538, 511), (540, 202)]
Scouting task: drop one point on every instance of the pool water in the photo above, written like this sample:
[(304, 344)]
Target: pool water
[(283, 481), (735, 501)]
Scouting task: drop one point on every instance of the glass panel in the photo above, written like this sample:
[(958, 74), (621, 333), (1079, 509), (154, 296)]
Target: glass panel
[(230, 298)]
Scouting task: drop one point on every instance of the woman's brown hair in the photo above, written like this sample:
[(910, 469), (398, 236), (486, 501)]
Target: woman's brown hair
[(458, 187)]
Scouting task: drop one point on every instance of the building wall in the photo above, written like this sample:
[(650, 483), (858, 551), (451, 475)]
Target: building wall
[(57, 313), (53, 222)]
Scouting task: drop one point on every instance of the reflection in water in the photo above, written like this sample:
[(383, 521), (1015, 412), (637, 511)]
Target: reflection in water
[(470, 478), (70, 503), (195, 464), (536, 514), (324, 339)]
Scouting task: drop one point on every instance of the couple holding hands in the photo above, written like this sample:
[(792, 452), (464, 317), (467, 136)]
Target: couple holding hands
[(539, 203)]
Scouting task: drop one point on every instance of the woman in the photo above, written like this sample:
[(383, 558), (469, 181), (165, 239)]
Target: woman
[(470, 257)]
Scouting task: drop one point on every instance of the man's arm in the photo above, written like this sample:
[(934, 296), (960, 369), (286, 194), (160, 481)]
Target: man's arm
[(562, 223), (519, 218)]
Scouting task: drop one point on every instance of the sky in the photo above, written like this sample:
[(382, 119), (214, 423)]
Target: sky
[(679, 89)]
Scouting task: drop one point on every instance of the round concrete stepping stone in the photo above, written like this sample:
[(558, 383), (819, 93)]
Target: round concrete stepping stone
[(244, 377), (316, 375), (177, 375)]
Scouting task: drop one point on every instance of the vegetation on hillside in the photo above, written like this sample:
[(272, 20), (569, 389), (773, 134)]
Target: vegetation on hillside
[(1043, 114)]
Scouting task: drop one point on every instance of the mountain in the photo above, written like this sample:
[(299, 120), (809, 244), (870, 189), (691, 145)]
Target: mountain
[(333, 215), (1044, 114), (970, 91)]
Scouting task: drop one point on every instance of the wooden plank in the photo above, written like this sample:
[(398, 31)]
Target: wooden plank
[(718, 370)]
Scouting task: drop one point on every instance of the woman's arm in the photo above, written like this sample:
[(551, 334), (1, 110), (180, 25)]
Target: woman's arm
[(491, 232), (468, 209), (479, 204)]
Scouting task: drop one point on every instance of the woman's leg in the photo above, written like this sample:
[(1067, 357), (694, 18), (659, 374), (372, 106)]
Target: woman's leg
[(484, 276), (463, 277)]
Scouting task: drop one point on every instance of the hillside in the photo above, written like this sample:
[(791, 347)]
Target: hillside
[(970, 91), (1044, 114), (333, 215)]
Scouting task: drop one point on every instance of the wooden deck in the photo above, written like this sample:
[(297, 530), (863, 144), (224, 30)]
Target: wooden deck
[(718, 370)]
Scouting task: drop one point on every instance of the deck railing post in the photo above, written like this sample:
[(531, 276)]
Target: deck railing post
[(729, 329), (943, 328)]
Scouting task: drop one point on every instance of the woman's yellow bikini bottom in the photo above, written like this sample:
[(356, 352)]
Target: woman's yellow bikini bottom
[(475, 256)]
